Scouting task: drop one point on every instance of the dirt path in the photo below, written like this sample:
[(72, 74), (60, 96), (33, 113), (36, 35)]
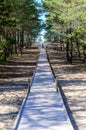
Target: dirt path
[(72, 79), (13, 85)]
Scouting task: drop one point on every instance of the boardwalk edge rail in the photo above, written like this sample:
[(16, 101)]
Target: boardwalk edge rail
[(66, 113)]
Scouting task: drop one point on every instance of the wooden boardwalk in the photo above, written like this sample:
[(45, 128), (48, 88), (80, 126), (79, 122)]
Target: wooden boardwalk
[(43, 107)]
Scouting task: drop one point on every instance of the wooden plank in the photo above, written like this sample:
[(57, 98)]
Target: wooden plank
[(44, 108)]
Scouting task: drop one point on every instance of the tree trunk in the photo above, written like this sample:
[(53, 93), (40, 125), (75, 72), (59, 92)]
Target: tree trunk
[(71, 51), (77, 44), (84, 52), (21, 39), (67, 50), (30, 41)]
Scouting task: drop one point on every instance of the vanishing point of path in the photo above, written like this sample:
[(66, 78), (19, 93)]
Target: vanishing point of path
[(43, 108)]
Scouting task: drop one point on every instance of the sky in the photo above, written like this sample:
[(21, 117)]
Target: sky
[(42, 16), (39, 1)]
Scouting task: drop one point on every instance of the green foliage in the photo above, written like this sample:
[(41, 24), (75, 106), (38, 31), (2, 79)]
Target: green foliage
[(3, 44), (17, 16), (4, 47), (13, 14), (66, 21), (62, 13)]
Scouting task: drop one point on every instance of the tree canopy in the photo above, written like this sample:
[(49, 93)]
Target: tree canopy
[(19, 20), (66, 19)]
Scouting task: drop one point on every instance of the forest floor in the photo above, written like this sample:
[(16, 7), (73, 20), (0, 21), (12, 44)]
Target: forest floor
[(14, 76), (72, 82)]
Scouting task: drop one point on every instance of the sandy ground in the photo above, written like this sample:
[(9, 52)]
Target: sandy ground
[(14, 85), (72, 82)]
